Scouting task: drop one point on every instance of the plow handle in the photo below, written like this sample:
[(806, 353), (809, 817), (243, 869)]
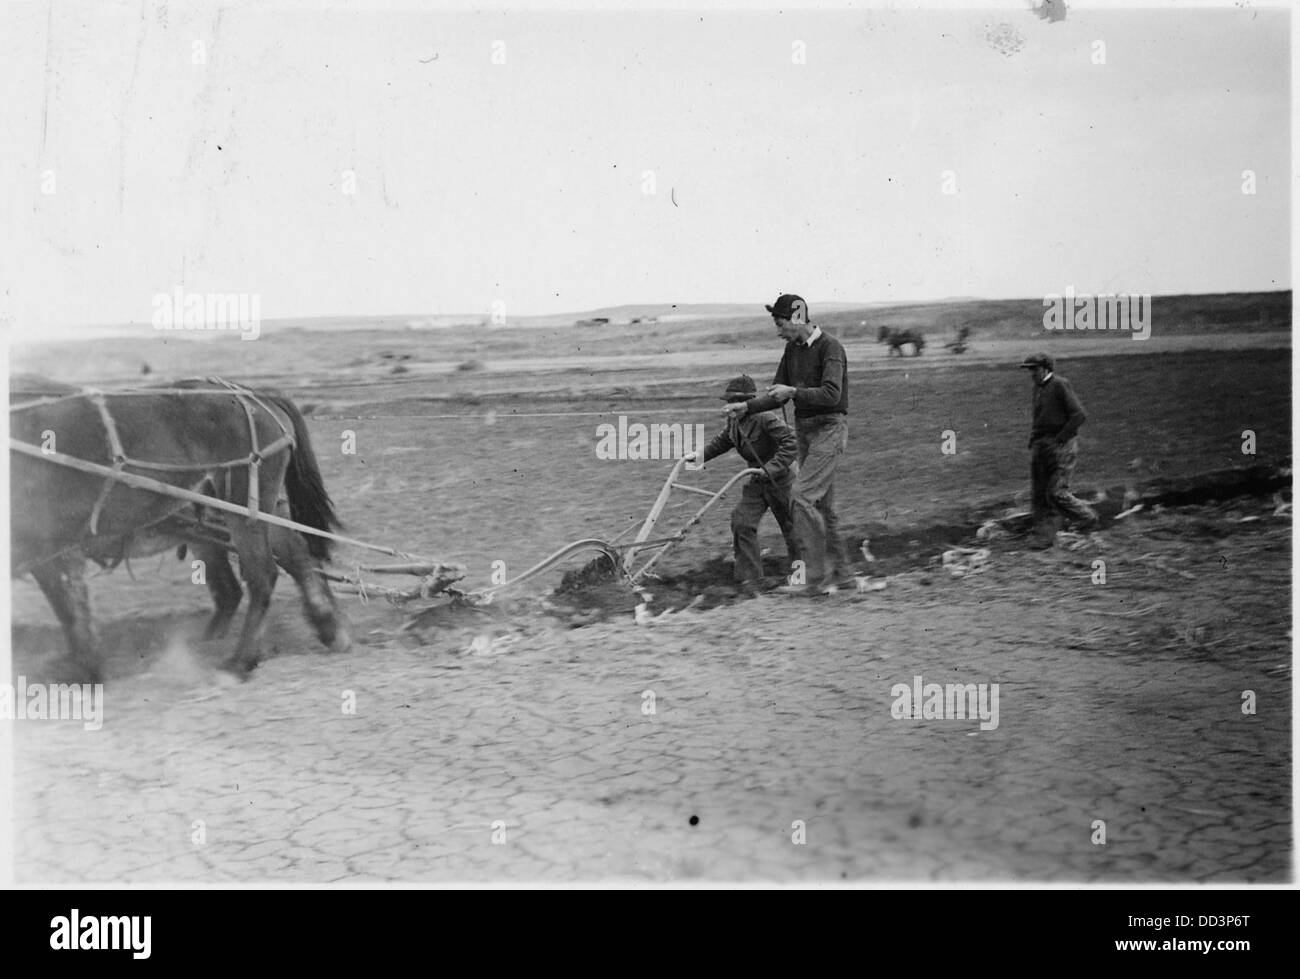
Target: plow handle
[(681, 534), (660, 502)]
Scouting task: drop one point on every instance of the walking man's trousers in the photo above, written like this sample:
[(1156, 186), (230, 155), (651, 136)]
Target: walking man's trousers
[(1051, 467), (822, 441)]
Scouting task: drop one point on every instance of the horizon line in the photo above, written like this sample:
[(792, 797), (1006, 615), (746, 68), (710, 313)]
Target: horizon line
[(470, 316)]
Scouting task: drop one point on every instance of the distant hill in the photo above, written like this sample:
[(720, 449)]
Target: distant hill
[(848, 320), (353, 349), (1016, 318), (691, 311)]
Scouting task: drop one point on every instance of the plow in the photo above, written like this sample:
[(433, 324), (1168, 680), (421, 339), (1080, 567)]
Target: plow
[(632, 560), (204, 517)]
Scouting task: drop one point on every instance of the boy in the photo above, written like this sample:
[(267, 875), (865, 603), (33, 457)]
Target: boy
[(765, 442)]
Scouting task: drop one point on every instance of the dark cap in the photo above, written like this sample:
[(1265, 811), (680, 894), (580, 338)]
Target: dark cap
[(1039, 360), (740, 388), (783, 308)]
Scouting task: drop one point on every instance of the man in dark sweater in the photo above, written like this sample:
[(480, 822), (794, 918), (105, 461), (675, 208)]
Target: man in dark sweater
[(813, 373), (765, 442), (1057, 415)]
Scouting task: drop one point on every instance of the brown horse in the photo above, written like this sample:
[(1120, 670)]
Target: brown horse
[(241, 446)]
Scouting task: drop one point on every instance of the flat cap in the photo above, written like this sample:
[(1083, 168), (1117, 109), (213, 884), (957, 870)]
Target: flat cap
[(1039, 360), (783, 308), (740, 388)]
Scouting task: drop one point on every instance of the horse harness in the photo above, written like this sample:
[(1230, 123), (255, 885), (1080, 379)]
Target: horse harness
[(247, 399)]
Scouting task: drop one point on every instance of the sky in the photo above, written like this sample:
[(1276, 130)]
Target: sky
[(556, 161)]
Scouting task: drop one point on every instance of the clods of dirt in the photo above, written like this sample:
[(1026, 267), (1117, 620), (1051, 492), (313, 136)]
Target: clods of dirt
[(597, 591)]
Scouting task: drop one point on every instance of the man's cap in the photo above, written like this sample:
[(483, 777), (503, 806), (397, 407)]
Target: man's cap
[(1039, 360), (783, 308), (740, 388)]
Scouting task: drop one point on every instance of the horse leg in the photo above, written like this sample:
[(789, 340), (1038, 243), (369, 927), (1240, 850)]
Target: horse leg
[(63, 580), (257, 568), (318, 601), (222, 585)]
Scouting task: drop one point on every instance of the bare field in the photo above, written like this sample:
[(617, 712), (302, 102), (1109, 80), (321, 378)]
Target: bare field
[(1120, 701)]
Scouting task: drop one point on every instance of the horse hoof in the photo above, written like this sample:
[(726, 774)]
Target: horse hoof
[(342, 642), (339, 638)]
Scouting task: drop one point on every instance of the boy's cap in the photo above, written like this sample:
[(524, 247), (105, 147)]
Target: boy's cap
[(1039, 360), (783, 308), (740, 388)]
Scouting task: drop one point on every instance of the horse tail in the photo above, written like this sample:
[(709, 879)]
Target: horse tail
[(309, 503)]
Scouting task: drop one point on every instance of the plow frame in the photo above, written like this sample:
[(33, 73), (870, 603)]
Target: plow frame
[(642, 540), (623, 555)]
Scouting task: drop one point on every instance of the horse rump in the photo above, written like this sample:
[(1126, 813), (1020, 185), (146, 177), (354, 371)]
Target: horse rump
[(309, 503)]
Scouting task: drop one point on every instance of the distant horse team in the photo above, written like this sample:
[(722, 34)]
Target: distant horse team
[(898, 339), (207, 436)]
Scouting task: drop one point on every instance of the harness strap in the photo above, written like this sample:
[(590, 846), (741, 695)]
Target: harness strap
[(254, 457), (119, 459), (115, 453), (257, 453), (137, 481), (243, 392)]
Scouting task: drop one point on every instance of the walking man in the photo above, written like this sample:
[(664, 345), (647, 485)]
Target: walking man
[(765, 442), (813, 373), (1057, 415)]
